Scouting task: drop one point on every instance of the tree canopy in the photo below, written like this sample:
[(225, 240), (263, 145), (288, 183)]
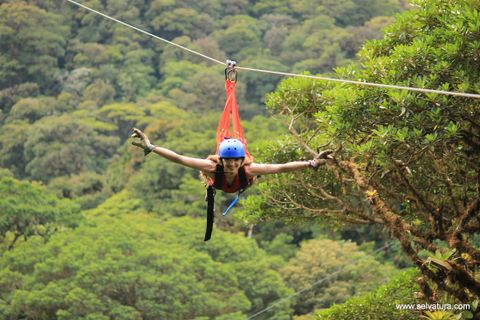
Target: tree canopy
[(404, 160), (347, 272), (94, 230), (27, 209), (138, 267)]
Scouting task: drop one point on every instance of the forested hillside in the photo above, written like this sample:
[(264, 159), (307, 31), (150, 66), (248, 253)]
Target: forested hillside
[(92, 229)]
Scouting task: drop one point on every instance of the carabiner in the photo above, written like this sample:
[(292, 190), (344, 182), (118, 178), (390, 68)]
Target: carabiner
[(230, 72)]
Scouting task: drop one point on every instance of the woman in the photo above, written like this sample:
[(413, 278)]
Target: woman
[(231, 170), (231, 162)]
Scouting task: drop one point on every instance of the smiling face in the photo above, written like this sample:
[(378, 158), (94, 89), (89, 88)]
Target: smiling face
[(231, 165)]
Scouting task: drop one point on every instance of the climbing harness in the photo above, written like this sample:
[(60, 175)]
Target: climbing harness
[(230, 114), (210, 198)]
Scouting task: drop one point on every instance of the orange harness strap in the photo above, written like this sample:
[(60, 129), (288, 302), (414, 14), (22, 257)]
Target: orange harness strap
[(230, 112)]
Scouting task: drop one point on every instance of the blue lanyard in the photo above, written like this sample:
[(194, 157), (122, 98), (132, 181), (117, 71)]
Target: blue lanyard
[(232, 204)]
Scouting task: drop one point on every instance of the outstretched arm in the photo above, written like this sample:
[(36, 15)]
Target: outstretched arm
[(256, 169), (195, 163)]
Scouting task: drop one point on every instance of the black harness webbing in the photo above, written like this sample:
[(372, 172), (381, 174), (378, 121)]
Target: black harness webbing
[(210, 212), (211, 196)]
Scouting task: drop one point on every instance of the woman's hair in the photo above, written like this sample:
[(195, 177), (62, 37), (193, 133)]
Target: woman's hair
[(216, 158)]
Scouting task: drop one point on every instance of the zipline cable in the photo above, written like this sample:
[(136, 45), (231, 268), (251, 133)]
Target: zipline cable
[(316, 282), (363, 83), (146, 32)]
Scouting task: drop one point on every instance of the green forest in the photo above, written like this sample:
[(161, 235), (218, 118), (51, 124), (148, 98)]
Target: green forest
[(92, 229)]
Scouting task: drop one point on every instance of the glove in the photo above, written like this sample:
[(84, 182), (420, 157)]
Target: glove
[(144, 143), (321, 159)]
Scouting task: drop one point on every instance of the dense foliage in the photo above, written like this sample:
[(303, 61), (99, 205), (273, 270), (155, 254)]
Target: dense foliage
[(27, 209), (138, 267), (95, 231), (379, 304), (407, 161), (73, 83), (73, 50), (347, 271)]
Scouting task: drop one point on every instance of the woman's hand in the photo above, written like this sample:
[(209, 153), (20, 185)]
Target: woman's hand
[(144, 142), (321, 159)]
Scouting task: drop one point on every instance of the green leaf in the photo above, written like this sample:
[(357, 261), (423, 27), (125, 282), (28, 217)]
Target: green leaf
[(474, 305), (452, 129), (431, 137)]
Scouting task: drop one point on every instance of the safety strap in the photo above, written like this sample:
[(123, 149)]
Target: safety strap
[(244, 184), (218, 177), (232, 204), (210, 212)]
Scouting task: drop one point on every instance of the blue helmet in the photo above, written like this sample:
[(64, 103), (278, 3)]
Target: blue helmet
[(231, 148)]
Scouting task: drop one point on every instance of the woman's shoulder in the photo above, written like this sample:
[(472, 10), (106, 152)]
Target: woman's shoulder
[(248, 169)]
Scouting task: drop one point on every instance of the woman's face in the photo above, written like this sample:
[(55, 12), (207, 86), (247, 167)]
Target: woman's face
[(231, 165)]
